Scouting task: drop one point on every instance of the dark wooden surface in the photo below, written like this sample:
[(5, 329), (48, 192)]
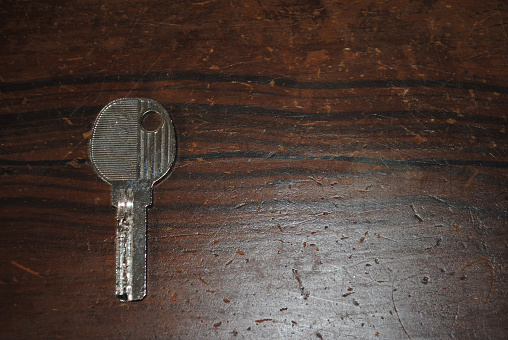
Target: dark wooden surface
[(341, 170)]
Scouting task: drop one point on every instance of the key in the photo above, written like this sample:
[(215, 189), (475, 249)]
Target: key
[(132, 147)]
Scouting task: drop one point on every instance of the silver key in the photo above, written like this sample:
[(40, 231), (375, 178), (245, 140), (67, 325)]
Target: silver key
[(132, 155)]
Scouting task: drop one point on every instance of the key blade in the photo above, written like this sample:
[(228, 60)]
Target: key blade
[(131, 244)]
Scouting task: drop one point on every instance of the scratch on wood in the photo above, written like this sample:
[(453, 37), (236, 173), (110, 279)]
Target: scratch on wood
[(491, 273), (28, 270), (316, 180), (471, 179), (416, 213), (438, 199), (201, 3), (263, 320), (367, 189), (398, 316), (303, 291)]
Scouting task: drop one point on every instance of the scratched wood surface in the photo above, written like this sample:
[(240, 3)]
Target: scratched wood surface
[(341, 169)]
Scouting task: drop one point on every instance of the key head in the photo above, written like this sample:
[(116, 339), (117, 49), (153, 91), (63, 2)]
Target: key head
[(133, 141)]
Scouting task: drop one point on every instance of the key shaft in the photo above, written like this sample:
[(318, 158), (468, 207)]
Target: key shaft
[(131, 243)]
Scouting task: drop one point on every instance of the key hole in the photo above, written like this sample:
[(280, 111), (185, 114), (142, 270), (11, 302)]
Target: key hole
[(151, 120)]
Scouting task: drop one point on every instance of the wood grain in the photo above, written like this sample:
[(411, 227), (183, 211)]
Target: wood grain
[(341, 169)]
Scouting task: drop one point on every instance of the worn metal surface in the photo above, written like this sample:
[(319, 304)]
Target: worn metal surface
[(341, 169)]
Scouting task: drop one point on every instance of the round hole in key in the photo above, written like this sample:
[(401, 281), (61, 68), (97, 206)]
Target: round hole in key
[(151, 120)]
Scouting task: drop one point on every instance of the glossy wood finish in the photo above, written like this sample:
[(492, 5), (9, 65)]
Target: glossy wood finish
[(341, 169)]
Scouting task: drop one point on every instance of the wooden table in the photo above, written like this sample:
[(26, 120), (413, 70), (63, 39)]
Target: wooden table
[(341, 169)]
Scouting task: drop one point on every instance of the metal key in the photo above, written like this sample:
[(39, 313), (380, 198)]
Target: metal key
[(132, 156)]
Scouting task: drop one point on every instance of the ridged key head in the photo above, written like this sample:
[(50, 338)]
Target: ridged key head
[(122, 150)]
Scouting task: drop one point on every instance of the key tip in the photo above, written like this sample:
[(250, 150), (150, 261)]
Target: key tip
[(122, 297), (126, 298)]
